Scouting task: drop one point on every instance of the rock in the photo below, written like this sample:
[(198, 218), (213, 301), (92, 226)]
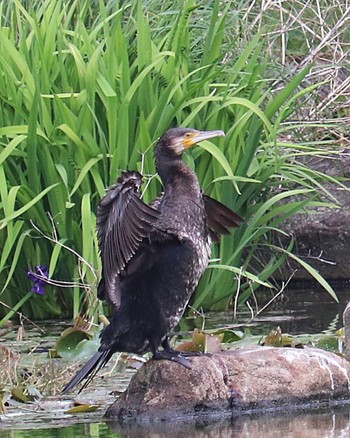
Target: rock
[(233, 382)]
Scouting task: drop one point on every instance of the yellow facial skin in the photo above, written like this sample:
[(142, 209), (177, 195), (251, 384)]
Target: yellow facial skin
[(192, 138)]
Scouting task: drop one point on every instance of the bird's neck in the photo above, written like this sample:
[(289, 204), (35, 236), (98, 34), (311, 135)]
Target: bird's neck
[(174, 173)]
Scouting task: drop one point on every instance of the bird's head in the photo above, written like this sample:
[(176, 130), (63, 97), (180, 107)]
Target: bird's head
[(180, 139)]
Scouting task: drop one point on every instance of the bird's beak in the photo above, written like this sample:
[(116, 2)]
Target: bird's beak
[(200, 136)]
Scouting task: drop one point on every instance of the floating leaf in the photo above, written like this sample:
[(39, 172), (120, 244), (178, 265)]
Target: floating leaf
[(82, 408), (66, 345), (201, 341), (229, 336), (328, 343), (277, 339), (19, 394), (274, 339), (189, 347)]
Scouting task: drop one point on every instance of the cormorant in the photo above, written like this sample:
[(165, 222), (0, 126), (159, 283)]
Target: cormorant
[(154, 255)]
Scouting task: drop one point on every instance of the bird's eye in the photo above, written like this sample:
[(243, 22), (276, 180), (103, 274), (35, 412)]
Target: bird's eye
[(188, 134)]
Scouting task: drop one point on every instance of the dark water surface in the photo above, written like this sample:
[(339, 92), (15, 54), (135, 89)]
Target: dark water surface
[(329, 423), (299, 313)]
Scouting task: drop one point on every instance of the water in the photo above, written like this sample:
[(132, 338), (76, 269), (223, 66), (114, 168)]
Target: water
[(299, 313), (323, 423)]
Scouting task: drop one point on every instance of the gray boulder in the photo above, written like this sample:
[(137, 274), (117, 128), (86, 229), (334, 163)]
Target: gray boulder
[(233, 382)]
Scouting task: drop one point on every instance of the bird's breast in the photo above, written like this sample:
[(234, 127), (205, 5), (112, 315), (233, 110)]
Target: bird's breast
[(184, 217)]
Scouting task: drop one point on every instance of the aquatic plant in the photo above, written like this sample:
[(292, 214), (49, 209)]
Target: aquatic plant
[(87, 87)]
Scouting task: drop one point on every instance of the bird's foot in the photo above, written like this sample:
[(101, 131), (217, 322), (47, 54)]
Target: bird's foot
[(174, 356), (194, 353)]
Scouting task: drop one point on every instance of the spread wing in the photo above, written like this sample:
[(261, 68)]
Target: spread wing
[(123, 221), (220, 218)]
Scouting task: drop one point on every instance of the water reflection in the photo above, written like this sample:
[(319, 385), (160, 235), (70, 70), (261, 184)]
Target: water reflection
[(322, 423), (299, 312)]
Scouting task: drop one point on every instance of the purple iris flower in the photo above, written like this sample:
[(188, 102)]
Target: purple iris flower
[(39, 278)]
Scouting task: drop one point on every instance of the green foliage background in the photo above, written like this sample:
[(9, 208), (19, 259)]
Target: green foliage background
[(85, 90)]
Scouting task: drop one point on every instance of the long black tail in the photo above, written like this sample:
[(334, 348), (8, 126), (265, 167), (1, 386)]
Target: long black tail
[(89, 370)]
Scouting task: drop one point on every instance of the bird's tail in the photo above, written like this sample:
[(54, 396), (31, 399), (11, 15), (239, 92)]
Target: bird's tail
[(89, 370)]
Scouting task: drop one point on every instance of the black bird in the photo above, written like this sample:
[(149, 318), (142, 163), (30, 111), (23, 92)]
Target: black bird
[(154, 255)]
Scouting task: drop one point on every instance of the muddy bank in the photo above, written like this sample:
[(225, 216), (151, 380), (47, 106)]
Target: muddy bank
[(323, 234)]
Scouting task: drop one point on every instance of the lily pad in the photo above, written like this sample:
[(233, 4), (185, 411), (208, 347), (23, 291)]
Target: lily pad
[(229, 336), (67, 344)]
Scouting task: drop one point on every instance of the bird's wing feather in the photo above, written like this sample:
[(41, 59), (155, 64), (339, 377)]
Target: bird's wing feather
[(123, 221), (220, 218)]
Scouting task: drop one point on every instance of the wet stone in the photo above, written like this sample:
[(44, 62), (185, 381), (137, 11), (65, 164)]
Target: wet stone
[(233, 382)]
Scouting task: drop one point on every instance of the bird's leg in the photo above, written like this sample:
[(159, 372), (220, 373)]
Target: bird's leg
[(169, 354), (166, 345), (173, 356)]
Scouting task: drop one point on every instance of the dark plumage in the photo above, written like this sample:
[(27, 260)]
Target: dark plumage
[(154, 255)]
